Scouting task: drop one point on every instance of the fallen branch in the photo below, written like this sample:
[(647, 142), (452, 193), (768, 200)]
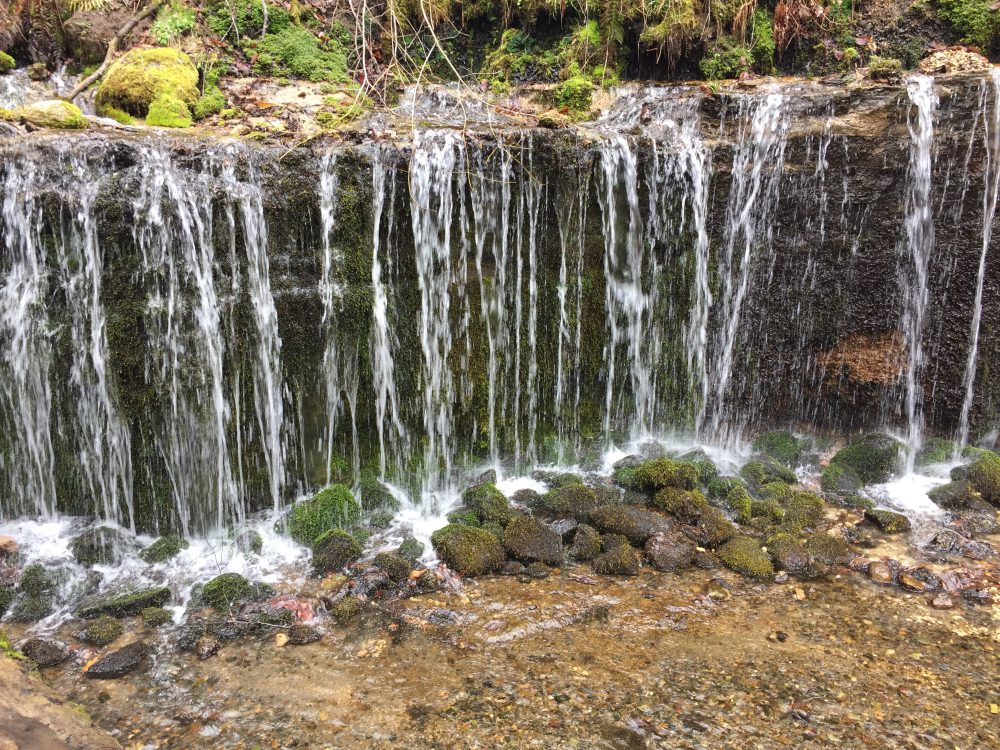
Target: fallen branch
[(123, 32)]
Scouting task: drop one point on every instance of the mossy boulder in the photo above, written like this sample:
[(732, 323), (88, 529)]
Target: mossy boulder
[(6, 63), (621, 560), (769, 510), (739, 502), (56, 113), (889, 521), (712, 529), (984, 475), (783, 447), (102, 631), (570, 501), (874, 458), (250, 541), (125, 604), (468, 551), (669, 550), (719, 487), (100, 546), (830, 550), (705, 466), (764, 469), (396, 568), (658, 473), (803, 510), (744, 555), (840, 479), (411, 550), (333, 507), (635, 524), (586, 543), (789, 554), (334, 550), (556, 478), (168, 111), (529, 540), (960, 495), (687, 505), (230, 589), (36, 580), (164, 548), (375, 496), (30, 608), (489, 504), (465, 517), (141, 77), (935, 451), (346, 610), (155, 617)]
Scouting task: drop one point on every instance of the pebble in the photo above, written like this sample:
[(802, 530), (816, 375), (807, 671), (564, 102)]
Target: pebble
[(206, 647), (942, 601), (880, 572)]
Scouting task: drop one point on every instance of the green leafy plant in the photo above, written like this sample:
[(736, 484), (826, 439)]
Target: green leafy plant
[(171, 23)]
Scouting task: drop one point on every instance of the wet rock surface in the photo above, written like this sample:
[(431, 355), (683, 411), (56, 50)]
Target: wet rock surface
[(118, 663)]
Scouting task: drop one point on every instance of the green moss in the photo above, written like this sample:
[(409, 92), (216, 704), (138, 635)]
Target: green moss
[(874, 457), (154, 617), (762, 41), (586, 543), (678, 28), (464, 517), (294, 52), (688, 505), (779, 492), (884, 68), (126, 605), (658, 473), (167, 111), (164, 548), (6, 598), (976, 20), (7, 648), (396, 568), (234, 19), (744, 555), (727, 59), (124, 118), (489, 504), (955, 495), (935, 451), (468, 551), (829, 549), (621, 560), (411, 550), (228, 589), (625, 476), (374, 495), (706, 468), (740, 504), (31, 608), (721, 486), (99, 546), (840, 479), (769, 510), (334, 550), (574, 500), (212, 102), (56, 114), (36, 580), (783, 447), (765, 470), (6, 63), (575, 93), (331, 508), (140, 76), (802, 510), (102, 631), (889, 521), (346, 610), (529, 540), (713, 528), (984, 475)]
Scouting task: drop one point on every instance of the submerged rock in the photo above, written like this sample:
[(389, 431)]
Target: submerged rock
[(888, 521), (622, 560), (125, 604), (100, 546), (301, 635), (669, 550), (102, 631), (468, 551), (635, 524), (395, 567), (44, 652), (164, 548), (529, 540), (118, 663), (206, 647)]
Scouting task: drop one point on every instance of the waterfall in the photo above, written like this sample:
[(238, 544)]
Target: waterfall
[(991, 193), (382, 339), (435, 156), (916, 250), (753, 195), (25, 392)]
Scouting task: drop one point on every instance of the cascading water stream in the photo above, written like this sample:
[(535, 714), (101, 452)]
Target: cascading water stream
[(916, 251), (991, 194)]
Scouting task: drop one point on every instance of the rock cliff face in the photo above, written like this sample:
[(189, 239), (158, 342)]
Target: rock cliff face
[(193, 330)]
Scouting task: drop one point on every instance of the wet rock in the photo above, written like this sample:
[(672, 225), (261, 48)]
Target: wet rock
[(622, 560), (124, 604), (529, 540), (487, 477), (984, 475), (744, 555), (301, 635), (950, 542), (333, 551), (411, 550), (860, 537), (556, 478), (249, 541), (36, 580), (635, 524), (229, 589), (206, 647), (468, 551), (570, 501), (8, 546), (830, 550), (705, 466), (706, 560), (764, 470), (789, 555), (527, 498), (512, 568), (100, 546), (119, 663), (30, 608), (489, 504), (395, 567), (840, 479), (954, 60), (981, 597), (613, 541), (44, 652), (874, 458), (586, 544), (537, 571), (687, 505), (102, 631), (888, 521), (155, 617), (227, 629), (782, 446), (669, 550), (565, 528), (163, 549), (919, 580), (346, 610), (712, 529), (880, 572), (942, 601), (651, 476), (7, 596), (960, 495)]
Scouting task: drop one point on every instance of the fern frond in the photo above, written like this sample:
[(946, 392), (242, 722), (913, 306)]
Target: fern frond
[(86, 6)]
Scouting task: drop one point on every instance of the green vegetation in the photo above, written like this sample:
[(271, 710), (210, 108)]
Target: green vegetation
[(984, 475), (726, 59), (168, 111), (333, 507), (781, 446), (126, 604), (884, 68), (6, 63), (164, 548), (744, 555), (172, 21), (229, 589), (663, 472), (874, 458), (102, 631), (52, 114), (468, 551), (144, 76), (977, 20), (333, 551), (294, 52), (489, 504)]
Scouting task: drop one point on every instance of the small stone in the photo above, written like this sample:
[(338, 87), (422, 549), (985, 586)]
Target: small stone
[(537, 570), (911, 583), (977, 596), (43, 652), (206, 647), (880, 572), (8, 547), (301, 635), (942, 601), (118, 663)]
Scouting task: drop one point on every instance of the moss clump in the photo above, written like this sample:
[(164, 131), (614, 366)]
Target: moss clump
[(36, 581), (557, 478), (885, 68), (769, 510), (334, 550), (575, 93), (840, 480), (489, 504), (164, 548), (155, 617), (740, 504), (635, 524), (764, 470), (167, 111), (829, 550), (984, 475), (6, 598), (687, 505), (100, 546), (411, 550), (346, 610), (123, 118), (7, 648), (529, 540), (874, 457), (373, 495), (788, 554), (620, 560), (658, 473), (126, 605), (777, 491), (6, 63), (727, 59), (30, 608), (977, 20), (141, 76), (706, 468), (803, 510), (573, 500), (293, 52), (586, 543), (783, 447), (102, 631), (52, 114), (956, 495), (228, 589), (465, 517), (889, 521), (331, 508), (245, 18), (468, 551), (744, 555), (719, 487), (396, 568), (713, 529), (935, 451), (210, 103)]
